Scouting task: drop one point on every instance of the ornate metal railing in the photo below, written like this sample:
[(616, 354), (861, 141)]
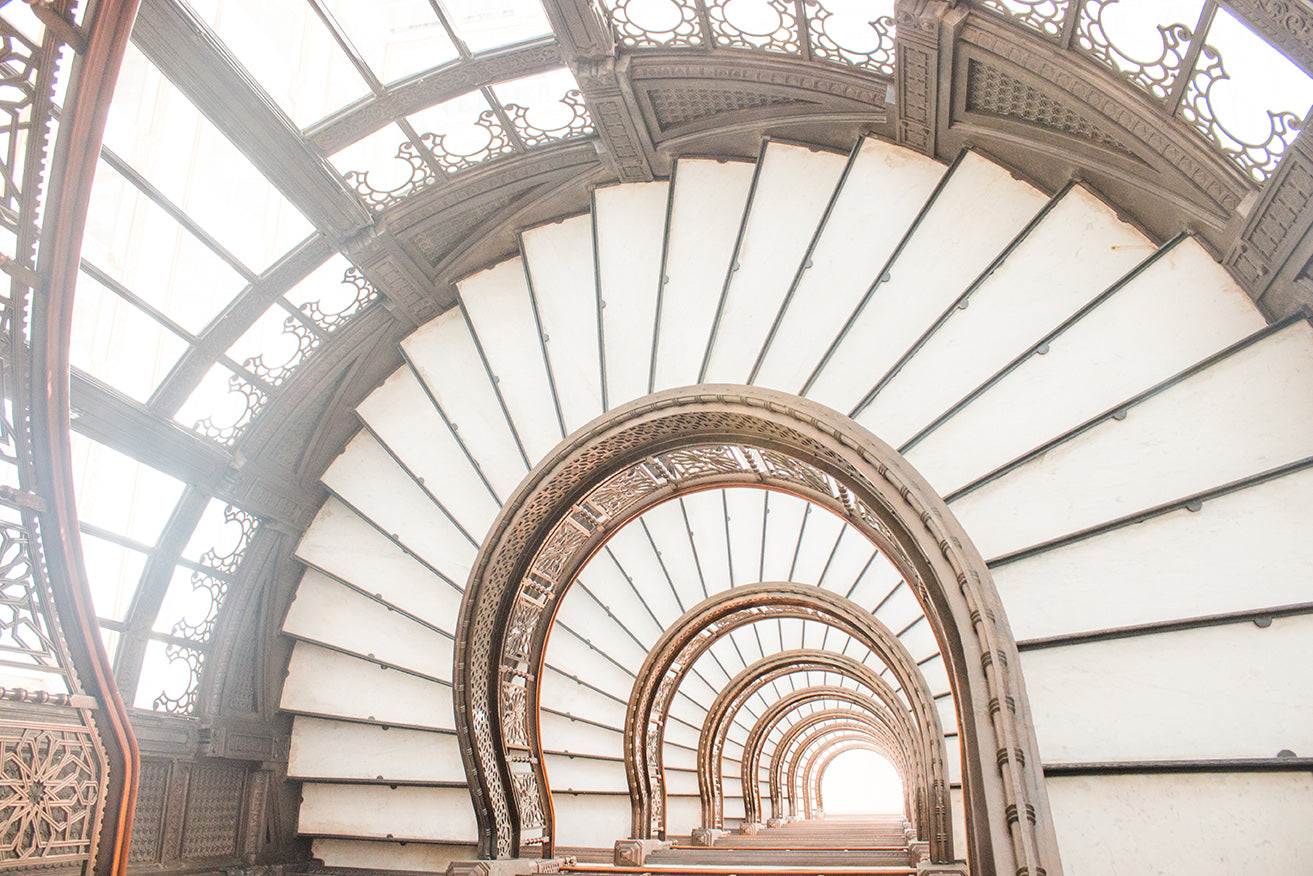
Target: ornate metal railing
[(69, 760)]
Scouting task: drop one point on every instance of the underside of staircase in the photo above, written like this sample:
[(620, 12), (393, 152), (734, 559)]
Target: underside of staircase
[(1110, 418)]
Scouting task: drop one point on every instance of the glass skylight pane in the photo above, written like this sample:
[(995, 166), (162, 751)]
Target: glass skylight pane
[(191, 605), (221, 536), (655, 22), (289, 51), (1045, 16), (111, 640), (332, 294), (170, 678), (275, 345), (754, 24), (396, 38), (1246, 96), (119, 494), (115, 341), (194, 597), (1145, 40), (545, 107), (24, 20), (383, 167), (113, 572), (461, 132), (490, 24), (154, 128), (222, 406), (856, 32), (139, 245)]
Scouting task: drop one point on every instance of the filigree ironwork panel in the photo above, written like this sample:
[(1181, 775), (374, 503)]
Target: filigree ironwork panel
[(50, 789), (1258, 159), (328, 320), (253, 401), (25, 634), (755, 24), (829, 43), (1157, 75), (577, 124), (640, 24), (1044, 16), (304, 342), (214, 805), (19, 74), (188, 660)]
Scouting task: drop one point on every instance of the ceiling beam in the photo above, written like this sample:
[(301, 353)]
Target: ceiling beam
[(194, 59)]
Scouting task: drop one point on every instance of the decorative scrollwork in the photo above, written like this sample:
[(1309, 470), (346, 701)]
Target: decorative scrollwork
[(50, 788), (305, 341), (527, 799), (1258, 159), (754, 24), (199, 630), (647, 25), (328, 320), (18, 89), (1045, 16), (830, 42), (451, 158), (421, 177), (1155, 75), (226, 435), (247, 524), (579, 123), (24, 630), (183, 703)]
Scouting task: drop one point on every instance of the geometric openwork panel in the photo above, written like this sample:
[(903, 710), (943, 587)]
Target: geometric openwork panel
[(50, 784)]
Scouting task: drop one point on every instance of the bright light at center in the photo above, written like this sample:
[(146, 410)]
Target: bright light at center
[(861, 782)]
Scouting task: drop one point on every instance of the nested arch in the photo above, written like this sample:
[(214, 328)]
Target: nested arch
[(933, 815), (814, 772), (718, 615), (697, 438), (731, 699), (807, 732)]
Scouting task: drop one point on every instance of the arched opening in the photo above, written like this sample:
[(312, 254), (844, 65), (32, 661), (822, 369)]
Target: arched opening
[(685, 441), (858, 781)]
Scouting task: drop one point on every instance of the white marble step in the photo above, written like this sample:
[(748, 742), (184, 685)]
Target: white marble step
[(402, 416), (562, 273), (792, 189), (385, 812), (1077, 250), (980, 210), (367, 478), (331, 614), (1250, 412), (446, 359), (1171, 567), (324, 682), (880, 197), (390, 855), (323, 748), (1190, 694), (349, 547), (706, 211), (1114, 351), (629, 226), (502, 313)]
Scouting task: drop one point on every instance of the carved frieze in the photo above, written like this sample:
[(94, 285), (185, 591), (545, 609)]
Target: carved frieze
[(1087, 104)]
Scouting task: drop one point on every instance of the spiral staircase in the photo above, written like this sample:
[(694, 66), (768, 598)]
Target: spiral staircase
[(1122, 434)]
